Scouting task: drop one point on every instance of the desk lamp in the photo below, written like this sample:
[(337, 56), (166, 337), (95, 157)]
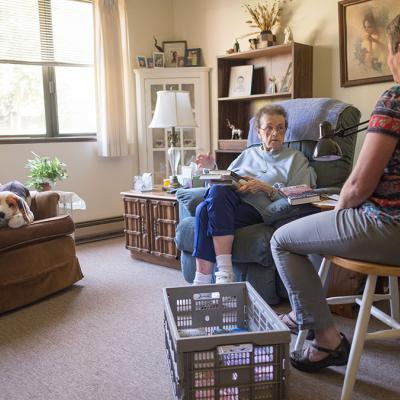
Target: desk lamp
[(326, 148), (173, 110)]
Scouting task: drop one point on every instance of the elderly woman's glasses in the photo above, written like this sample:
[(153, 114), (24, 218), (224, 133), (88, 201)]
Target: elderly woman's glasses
[(269, 129)]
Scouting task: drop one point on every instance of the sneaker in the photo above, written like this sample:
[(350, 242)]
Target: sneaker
[(222, 277)]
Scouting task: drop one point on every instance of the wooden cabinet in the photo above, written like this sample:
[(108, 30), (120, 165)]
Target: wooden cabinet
[(153, 143), (150, 223), (293, 61)]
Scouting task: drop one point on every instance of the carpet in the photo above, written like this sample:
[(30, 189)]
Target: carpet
[(103, 339)]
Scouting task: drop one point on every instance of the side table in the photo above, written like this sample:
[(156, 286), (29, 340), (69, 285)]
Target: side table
[(150, 223)]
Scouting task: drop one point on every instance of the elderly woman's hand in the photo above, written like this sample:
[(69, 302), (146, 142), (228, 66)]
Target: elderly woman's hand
[(205, 161), (254, 185)]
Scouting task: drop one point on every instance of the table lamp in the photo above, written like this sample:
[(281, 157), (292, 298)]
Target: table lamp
[(326, 148), (173, 110)]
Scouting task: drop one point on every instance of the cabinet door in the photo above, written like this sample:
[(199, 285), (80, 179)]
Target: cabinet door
[(157, 139), (164, 217), (136, 218)]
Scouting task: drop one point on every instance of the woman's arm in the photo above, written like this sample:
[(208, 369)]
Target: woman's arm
[(373, 158)]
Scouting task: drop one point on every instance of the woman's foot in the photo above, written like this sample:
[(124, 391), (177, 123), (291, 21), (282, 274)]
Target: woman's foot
[(319, 356), (290, 321)]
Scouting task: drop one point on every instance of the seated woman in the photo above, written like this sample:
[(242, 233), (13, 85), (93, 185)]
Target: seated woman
[(226, 208), (365, 225)]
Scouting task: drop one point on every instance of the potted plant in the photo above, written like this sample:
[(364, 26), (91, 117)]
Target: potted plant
[(265, 16), (44, 172)]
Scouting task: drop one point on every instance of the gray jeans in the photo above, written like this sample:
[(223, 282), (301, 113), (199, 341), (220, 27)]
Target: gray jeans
[(345, 233)]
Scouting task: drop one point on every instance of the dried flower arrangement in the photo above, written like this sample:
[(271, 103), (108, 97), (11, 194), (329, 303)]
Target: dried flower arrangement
[(265, 16)]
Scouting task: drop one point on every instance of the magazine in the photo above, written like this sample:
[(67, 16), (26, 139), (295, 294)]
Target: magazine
[(299, 194)]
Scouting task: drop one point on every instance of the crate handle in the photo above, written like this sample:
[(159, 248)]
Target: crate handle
[(235, 348)]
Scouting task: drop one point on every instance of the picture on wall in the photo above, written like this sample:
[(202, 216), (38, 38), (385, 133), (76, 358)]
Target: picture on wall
[(173, 50), (363, 49), (240, 80)]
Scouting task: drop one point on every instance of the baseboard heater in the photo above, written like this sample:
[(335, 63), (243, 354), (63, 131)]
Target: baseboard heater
[(99, 229)]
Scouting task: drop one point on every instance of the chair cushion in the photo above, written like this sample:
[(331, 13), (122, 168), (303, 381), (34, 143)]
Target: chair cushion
[(38, 231)]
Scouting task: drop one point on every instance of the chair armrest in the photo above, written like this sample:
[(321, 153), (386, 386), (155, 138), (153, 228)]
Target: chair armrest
[(188, 200), (44, 204), (37, 231)]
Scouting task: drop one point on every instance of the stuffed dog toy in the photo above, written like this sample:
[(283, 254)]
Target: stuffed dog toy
[(15, 201)]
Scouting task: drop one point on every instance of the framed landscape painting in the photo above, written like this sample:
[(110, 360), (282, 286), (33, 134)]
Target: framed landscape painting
[(363, 43)]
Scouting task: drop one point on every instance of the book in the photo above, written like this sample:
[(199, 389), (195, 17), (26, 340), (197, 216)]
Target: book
[(299, 194), (224, 176)]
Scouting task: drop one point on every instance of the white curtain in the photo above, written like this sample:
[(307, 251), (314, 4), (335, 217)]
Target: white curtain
[(114, 89)]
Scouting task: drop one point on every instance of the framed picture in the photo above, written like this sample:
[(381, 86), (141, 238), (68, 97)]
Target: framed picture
[(240, 80), (193, 57), (363, 48), (172, 51), (181, 62), (158, 60), (141, 61), (150, 63)]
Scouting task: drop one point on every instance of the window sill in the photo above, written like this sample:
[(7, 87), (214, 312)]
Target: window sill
[(15, 140)]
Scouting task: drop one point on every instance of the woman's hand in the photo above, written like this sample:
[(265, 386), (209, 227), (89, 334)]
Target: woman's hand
[(205, 161), (254, 185)]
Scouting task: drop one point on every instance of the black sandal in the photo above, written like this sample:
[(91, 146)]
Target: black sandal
[(294, 327), (338, 356)]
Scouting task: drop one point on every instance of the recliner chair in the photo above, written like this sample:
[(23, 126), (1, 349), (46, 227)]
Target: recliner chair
[(251, 253)]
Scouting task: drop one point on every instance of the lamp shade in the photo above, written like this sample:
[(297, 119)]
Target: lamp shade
[(173, 109)]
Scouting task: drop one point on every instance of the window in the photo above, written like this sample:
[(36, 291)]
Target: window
[(46, 68)]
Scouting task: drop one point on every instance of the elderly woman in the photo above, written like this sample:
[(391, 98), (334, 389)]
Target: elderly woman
[(365, 225), (226, 208)]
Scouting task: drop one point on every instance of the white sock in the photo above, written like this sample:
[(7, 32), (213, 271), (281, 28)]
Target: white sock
[(224, 263), (202, 279)]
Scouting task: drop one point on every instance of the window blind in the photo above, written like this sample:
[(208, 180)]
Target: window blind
[(53, 32)]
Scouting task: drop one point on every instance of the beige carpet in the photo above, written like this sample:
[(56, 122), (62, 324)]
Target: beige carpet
[(103, 340)]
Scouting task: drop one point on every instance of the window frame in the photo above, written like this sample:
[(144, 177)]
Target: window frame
[(49, 98)]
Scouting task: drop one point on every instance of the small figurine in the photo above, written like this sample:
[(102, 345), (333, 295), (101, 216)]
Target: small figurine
[(253, 43), (236, 132), (272, 85), (236, 46), (288, 35)]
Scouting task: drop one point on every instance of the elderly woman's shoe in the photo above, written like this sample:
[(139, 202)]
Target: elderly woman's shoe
[(336, 357)]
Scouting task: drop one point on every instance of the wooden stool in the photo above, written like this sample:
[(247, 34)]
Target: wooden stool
[(366, 309)]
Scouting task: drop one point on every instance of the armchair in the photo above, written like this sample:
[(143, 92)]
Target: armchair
[(39, 259), (251, 253)]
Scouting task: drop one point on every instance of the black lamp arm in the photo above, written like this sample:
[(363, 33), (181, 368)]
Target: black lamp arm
[(342, 132)]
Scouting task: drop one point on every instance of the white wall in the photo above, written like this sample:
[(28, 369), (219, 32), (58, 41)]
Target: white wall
[(97, 180), (213, 25)]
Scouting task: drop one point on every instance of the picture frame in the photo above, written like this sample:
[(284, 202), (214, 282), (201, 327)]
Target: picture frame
[(141, 60), (158, 60), (193, 57), (240, 80), (173, 50), (181, 62), (362, 40), (150, 62)]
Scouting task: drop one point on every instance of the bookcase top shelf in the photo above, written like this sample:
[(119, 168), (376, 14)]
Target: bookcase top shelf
[(256, 96), (267, 51)]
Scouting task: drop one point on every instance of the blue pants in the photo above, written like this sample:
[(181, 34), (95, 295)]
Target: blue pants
[(221, 212)]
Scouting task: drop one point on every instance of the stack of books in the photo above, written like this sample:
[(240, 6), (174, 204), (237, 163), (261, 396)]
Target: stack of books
[(222, 176), (299, 194)]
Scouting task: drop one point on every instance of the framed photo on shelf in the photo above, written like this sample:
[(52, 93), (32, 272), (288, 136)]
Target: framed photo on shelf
[(181, 62), (173, 50), (150, 62), (141, 60), (158, 59), (193, 57), (240, 80), (363, 49)]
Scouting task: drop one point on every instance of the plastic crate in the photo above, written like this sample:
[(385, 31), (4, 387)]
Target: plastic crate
[(229, 366)]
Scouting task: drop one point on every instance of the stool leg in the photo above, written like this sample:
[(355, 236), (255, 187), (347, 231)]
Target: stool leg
[(323, 274), (394, 297), (360, 333)]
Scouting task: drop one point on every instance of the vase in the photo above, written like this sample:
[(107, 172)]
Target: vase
[(267, 39), (44, 187)]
